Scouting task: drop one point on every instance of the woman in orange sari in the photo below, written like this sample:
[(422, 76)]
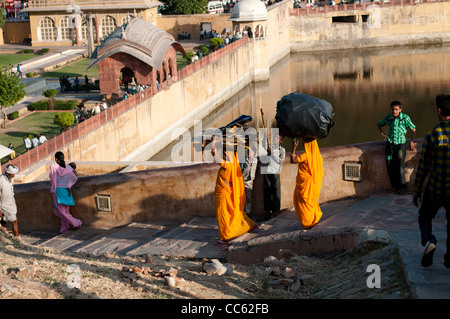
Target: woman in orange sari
[(308, 182), (230, 199)]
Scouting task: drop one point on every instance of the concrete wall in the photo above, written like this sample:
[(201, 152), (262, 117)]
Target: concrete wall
[(398, 25), (180, 193), (16, 31)]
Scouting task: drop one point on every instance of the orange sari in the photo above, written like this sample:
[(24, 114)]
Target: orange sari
[(308, 183), (230, 200)]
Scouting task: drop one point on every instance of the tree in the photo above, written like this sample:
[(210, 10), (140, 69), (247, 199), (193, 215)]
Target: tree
[(185, 6), (11, 91), (65, 120), (50, 94), (2, 18)]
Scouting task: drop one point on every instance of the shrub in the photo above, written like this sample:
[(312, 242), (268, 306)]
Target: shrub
[(45, 50), (189, 55), (26, 51), (50, 93), (66, 105), (204, 49), (41, 105), (13, 115), (65, 120), (31, 74), (215, 42)]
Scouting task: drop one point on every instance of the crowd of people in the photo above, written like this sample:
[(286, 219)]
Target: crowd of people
[(132, 87), (66, 85), (81, 114), (30, 142)]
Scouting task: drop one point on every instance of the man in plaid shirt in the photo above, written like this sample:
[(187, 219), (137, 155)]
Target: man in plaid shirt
[(398, 123), (434, 161)]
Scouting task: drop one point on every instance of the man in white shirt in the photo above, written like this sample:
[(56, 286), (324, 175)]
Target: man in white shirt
[(27, 142), (42, 139), (96, 109), (8, 207), (104, 105), (35, 141)]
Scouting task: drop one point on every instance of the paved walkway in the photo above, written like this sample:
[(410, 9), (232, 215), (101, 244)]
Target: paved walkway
[(392, 214)]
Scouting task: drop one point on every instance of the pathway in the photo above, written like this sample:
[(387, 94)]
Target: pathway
[(392, 214)]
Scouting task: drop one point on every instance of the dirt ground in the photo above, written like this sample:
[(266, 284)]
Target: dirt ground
[(32, 272)]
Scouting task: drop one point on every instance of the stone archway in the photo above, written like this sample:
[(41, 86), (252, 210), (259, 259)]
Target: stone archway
[(126, 75)]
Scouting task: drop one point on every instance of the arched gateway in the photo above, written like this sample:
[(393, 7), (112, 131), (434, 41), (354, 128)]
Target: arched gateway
[(139, 46)]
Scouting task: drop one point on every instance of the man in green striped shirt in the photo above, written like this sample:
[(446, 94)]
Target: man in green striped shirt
[(398, 123)]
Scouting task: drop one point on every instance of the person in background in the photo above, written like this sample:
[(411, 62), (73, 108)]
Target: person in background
[(13, 154), (42, 139), (271, 170), (62, 178), (35, 141), (398, 123), (27, 142), (8, 207)]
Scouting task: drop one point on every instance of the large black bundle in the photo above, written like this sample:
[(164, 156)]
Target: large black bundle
[(302, 115)]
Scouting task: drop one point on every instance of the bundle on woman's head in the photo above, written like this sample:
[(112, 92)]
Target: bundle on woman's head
[(60, 157)]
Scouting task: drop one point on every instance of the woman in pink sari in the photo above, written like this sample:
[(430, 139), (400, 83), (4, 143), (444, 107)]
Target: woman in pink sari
[(62, 178)]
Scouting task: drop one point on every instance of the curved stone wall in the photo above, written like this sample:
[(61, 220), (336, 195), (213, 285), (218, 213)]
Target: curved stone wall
[(180, 193)]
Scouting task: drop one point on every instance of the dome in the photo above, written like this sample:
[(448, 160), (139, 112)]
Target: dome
[(249, 10)]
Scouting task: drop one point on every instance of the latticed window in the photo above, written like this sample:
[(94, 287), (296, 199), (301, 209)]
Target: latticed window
[(127, 18), (259, 31), (47, 29), (84, 31), (108, 26), (65, 30)]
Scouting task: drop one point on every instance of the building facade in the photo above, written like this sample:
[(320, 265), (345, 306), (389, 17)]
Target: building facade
[(63, 22)]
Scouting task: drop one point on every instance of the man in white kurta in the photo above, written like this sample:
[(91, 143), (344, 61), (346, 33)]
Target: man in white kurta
[(8, 208)]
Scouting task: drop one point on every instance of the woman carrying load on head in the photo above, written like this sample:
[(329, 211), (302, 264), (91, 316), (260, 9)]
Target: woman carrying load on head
[(62, 178), (308, 182), (230, 198)]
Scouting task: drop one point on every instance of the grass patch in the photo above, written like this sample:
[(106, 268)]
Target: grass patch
[(33, 124), (75, 69), (8, 59)]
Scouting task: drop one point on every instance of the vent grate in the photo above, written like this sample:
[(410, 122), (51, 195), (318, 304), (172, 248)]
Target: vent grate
[(352, 172), (103, 203)]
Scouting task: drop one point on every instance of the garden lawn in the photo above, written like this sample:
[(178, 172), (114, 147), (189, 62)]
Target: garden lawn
[(75, 69), (33, 124), (9, 59)]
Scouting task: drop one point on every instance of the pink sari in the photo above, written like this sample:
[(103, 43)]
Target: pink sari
[(62, 179)]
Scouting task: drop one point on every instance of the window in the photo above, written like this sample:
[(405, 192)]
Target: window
[(64, 27), (108, 25), (127, 18), (259, 31), (47, 29), (84, 31), (344, 19)]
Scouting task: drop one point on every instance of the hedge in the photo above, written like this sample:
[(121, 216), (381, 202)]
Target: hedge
[(60, 105)]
